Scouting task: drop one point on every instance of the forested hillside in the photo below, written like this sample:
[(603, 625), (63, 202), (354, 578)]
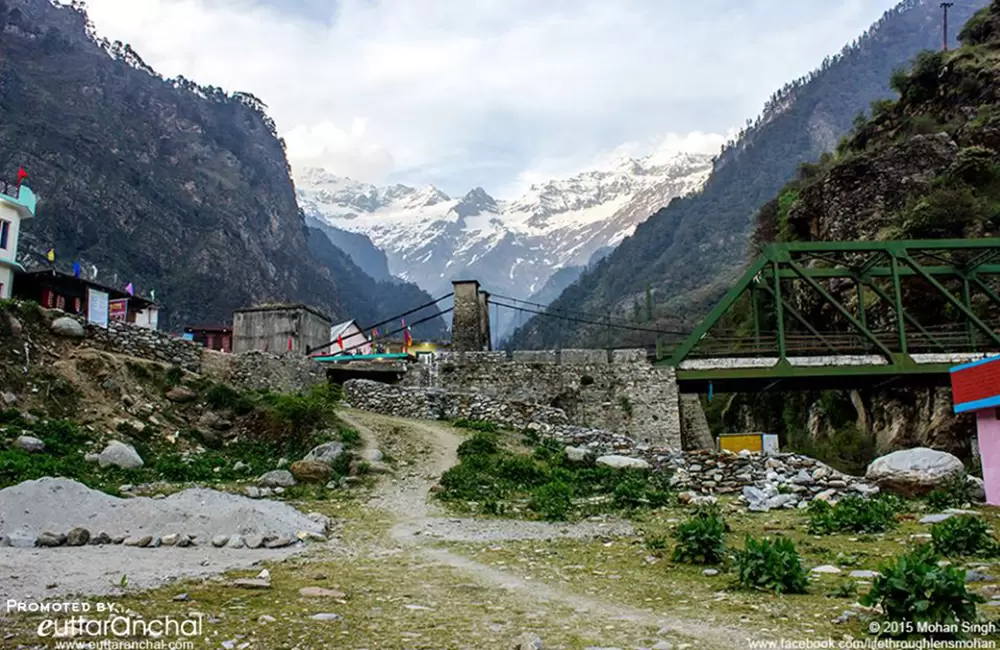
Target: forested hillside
[(689, 251), (160, 182)]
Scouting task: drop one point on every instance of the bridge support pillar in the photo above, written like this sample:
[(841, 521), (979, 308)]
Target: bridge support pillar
[(470, 324), (695, 433)]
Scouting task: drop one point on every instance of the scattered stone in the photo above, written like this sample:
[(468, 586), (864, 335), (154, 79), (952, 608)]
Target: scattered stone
[(253, 541), (181, 394), (120, 455), (826, 568), (264, 575), (528, 641), (914, 472), (252, 583), (235, 541), (577, 454), (78, 537), (184, 541), (252, 492), (664, 645), (709, 573), (311, 471), (181, 598), (50, 540), (263, 619), (321, 592), (280, 542), (327, 453), (141, 542), (972, 575), (862, 574), (220, 540), (68, 327), (935, 518), (325, 616), (170, 540), (978, 488), (214, 421), (92, 458), (371, 455), (622, 462), (29, 444), (240, 466), (101, 539), (845, 617), (277, 478)]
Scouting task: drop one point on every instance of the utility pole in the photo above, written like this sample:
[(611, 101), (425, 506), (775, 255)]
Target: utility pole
[(945, 6)]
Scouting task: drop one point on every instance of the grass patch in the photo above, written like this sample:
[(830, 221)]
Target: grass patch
[(492, 477), (854, 514)]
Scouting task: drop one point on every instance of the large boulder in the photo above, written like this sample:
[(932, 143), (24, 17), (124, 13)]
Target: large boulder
[(68, 327), (622, 462), (913, 472), (311, 471), (120, 455), (277, 478), (326, 453)]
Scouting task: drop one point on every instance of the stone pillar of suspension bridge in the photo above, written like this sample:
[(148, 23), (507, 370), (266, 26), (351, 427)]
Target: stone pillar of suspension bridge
[(470, 325)]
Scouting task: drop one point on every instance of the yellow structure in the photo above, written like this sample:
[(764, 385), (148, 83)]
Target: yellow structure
[(755, 443)]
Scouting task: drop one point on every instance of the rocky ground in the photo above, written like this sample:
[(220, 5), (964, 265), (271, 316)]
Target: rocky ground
[(404, 573)]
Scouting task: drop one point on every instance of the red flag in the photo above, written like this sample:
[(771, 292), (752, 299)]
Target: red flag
[(340, 341), (289, 344), (21, 175), (407, 339)]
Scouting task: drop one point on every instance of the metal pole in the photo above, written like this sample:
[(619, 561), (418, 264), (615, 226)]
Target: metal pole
[(779, 310), (897, 293), (755, 307), (861, 302), (967, 299), (945, 6)]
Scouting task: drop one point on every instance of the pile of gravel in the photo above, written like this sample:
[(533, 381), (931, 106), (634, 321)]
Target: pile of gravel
[(58, 505)]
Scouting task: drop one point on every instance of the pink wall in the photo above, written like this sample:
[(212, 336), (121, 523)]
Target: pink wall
[(989, 449)]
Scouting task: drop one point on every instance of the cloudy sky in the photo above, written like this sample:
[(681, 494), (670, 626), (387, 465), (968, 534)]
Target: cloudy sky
[(494, 93)]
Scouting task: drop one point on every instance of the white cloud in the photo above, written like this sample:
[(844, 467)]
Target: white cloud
[(493, 91)]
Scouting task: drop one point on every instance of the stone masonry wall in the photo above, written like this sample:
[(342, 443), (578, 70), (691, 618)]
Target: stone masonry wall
[(122, 338), (437, 404), (284, 373), (622, 393)]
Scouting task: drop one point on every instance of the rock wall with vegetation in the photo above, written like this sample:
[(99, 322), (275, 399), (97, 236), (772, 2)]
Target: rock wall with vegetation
[(689, 252), (926, 166), (164, 183)]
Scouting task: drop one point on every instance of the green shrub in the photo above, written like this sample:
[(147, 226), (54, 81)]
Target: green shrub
[(476, 425), (480, 444), (655, 544), (977, 30), (953, 493), (350, 437), (174, 376), (914, 589), (854, 514), (553, 500), (767, 565), (964, 535), (701, 539), (223, 397), (846, 589)]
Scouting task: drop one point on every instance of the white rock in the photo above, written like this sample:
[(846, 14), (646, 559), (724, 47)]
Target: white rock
[(371, 455), (576, 454), (277, 478), (326, 453), (913, 472), (68, 327), (826, 568), (622, 462), (120, 455), (29, 443)]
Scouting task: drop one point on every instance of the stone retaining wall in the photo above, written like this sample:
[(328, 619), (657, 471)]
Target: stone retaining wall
[(436, 404), (123, 338), (619, 392), (285, 373)]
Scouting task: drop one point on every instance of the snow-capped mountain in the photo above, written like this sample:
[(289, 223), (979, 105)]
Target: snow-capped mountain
[(512, 247)]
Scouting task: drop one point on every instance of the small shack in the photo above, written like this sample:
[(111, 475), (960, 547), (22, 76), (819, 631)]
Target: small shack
[(213, 337), (280, 328), (975, 389), (96, 302)]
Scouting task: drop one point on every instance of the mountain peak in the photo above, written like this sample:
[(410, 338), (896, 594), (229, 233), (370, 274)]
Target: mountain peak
[(476, 201)]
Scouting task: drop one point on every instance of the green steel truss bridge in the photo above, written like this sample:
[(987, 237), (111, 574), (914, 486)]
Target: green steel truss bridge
[(844, 315)]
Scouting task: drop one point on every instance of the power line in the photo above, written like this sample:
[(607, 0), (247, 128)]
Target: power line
[(603, 323), (549, 310)]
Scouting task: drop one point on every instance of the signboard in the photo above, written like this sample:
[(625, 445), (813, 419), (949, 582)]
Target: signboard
[(97, 308), (187, 336), (976, 385), (118, 309)]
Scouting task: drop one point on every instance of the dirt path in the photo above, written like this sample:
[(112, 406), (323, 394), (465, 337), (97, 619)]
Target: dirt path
[(420, 523)]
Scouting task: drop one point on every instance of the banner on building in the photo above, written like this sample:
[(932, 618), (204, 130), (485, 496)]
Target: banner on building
[(118, 309), (97, 307)]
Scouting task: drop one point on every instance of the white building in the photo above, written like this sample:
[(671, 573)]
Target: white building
[(350, 335), (16, 205)]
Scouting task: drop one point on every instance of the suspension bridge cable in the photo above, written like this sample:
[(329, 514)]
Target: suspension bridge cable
[(390, 320), (389, 334), (604, 323), (602, 317)]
